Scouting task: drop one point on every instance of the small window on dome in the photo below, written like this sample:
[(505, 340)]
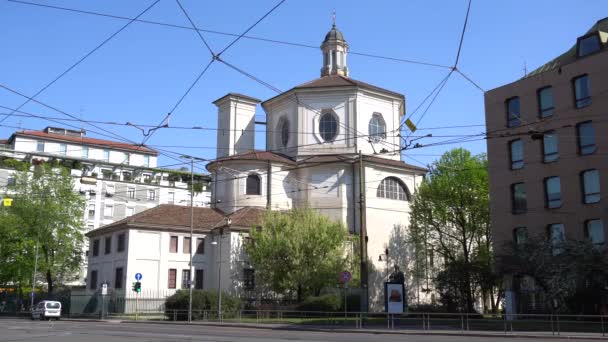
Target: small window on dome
[(284, 126), (328, 126), (377, 128), (253, 185), (588, 45)]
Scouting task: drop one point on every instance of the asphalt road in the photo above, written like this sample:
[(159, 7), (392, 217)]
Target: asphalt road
[(67, 331)]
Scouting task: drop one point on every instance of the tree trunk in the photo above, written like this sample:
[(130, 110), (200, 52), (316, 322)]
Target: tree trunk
[(49, 280), (299, 293)]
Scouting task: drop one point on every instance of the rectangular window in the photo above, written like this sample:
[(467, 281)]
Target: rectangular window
[(520, 235), (93, 280), (63, 149), (95, 247), (516, 148), (185, 278), (108, 210), (171, 199), (120, 246), (131, 192), (91, 211), (84, 152), (249, 278), (106, 155), (108, 245), (146, 161), (130, 211), (553, 192), (173, 244), (151, 195), (591, 186), (545, 102), (110, 189), (594, 231), (557, 236), (588, 45), (40, 146), (90, 227), (582, 92), (11, 181), (118, 276), (550, 148), (198, 279), (513, 113), (172, 278), (200, 246), (518, 198), (126, 158), (187, 245), (586, 138)]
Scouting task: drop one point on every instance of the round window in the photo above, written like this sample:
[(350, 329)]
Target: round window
[(284, 132), (328, 126)]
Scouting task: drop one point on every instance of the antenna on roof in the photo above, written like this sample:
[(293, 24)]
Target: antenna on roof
[(525, 68)]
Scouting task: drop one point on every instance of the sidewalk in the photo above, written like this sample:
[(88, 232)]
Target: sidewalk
[(396, 331)]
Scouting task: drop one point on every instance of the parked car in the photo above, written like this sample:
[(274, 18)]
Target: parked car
[(47, 309)]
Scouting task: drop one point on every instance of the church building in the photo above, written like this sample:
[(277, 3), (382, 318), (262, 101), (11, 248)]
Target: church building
[(332, 144)]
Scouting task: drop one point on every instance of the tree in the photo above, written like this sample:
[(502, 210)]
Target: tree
[(572, 276), (50, 215), (298, 251), (450, 218), (15, 250)]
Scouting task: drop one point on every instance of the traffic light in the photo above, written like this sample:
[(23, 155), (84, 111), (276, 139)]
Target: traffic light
[(137, 287)]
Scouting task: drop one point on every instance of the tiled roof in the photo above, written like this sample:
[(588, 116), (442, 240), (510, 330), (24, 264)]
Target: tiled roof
[(342, 81), (88, 141), (366, 158), (255, 155), (337, 81), (246, 97), (177, 217), (570, 55)]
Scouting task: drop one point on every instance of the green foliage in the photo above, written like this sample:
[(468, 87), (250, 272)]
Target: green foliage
[(11, 163), (324, 303), (451, 219), (201, 300), (572, 280), (298, 251), (16, 251), (48, 211)]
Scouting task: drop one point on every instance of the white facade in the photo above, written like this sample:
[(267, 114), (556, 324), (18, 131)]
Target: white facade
[(118, 181)]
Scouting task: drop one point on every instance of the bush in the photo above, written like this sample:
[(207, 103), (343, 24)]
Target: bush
[(326, 303), (201, 300)]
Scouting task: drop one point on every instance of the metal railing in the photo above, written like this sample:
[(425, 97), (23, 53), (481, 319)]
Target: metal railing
[(549, 324)]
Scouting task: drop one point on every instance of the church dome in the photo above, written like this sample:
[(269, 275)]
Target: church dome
[(334, 34)]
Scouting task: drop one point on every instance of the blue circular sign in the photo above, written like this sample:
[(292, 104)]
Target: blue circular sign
[(137, 276)]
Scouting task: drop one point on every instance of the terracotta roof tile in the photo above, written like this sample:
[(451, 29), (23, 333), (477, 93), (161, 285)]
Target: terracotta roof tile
[(85, 140)]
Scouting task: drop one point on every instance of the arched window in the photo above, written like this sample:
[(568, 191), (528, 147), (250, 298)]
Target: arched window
[(253, 185), (393, 188), (284, 127), (328, 126), (377, 127)]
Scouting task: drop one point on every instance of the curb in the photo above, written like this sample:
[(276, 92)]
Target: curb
[(375, 331)]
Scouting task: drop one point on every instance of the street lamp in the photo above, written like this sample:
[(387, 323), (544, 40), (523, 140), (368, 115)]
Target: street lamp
[(380, 258), (228, 221), (191, 266)]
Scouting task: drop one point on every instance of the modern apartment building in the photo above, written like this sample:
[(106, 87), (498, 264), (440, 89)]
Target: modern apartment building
[(547, 154), (116, 179)]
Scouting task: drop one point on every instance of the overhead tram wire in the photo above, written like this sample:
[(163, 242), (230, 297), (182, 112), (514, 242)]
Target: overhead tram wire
[(214, 57), (274, 41), (82, 58)]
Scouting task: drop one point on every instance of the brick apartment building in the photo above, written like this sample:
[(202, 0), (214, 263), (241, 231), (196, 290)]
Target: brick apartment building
[(547, 149)]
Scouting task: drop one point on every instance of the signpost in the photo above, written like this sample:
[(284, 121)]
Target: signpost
[(137, 289), (104, 293), (345, 277)]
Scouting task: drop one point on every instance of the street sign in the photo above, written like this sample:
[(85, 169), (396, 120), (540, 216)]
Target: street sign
[(7, 202), (104, 289), (138, 276), (345, 277), (410, 125)]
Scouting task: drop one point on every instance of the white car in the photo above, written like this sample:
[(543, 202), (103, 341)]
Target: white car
[(47, 309)]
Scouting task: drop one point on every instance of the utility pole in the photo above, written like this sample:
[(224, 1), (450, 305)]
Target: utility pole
[(363, 236)]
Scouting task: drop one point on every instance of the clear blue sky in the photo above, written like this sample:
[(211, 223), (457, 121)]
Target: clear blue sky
[(140, 75)]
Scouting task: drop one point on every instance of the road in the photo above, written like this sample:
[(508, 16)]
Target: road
[(12, 330)]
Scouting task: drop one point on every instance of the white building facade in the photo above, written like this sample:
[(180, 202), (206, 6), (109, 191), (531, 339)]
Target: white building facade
[(116, 179)]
